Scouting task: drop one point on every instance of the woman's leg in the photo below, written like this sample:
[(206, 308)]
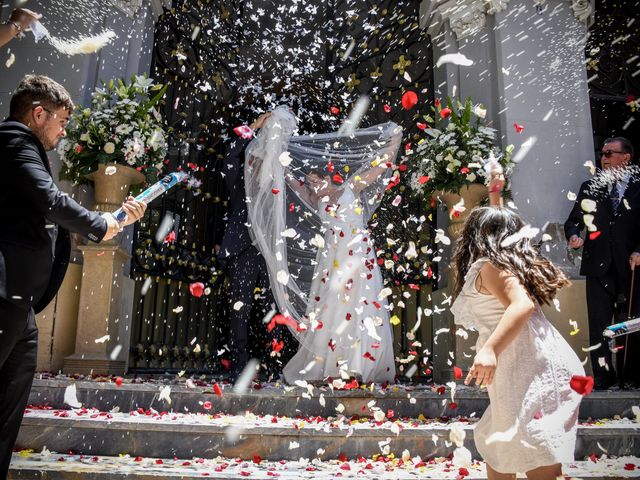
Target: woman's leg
[(550, 472), (493, 475)]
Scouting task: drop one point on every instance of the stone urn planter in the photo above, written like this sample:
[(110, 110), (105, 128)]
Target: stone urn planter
[(472, 195), (111, 185)]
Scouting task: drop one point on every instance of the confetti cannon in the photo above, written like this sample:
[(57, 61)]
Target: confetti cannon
[(154, 191), (622, 328)]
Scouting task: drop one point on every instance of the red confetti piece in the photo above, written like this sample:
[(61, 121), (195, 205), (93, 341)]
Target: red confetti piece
[(445, 113), (421, 125), (292, 207), (330, 167), (387, 108), (225, 363), (217, 390), (280, 319), (519, 128), (118, 381), (453, 405), (207, 405), (629, 466), (276, 346), (368, 356), (243, 131), (581, 384), (196, 289), (409, 99), (334, 110), (257, 459), (275, 191), (337, 178), (463, 472), (437, 102), (342, 457), (171, 237), (464, 170), (594, 235)]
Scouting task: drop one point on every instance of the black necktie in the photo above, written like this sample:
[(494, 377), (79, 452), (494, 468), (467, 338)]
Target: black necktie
[(615, 196)]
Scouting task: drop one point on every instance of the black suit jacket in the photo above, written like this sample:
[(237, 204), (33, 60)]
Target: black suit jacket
[(619, 231), (236, 237), (35, 219)]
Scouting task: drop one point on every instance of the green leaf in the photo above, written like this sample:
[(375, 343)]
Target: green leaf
[(151, 103)]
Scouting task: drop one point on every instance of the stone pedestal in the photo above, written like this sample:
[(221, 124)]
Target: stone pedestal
[(106, 300), (57, 323)]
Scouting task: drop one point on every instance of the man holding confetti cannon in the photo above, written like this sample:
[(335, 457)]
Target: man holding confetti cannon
[(18, 22), (35, 219), (609, 206)]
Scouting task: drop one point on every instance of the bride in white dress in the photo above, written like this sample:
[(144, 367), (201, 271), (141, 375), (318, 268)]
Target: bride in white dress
[(310, 198)]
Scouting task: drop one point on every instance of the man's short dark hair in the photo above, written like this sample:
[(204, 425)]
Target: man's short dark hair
[(625, 145), (37, 90)]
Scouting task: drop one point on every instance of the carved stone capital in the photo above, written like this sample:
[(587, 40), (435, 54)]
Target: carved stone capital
[(466, 17)]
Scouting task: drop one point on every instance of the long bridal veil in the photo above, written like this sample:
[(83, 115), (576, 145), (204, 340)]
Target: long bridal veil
[(290, 215)]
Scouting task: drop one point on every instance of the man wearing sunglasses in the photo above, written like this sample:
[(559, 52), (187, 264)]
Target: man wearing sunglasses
[(609, 206)]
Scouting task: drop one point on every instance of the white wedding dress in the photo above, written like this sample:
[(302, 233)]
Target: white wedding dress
[(355, 335), (322, 266)]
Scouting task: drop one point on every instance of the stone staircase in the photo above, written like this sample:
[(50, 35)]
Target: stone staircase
[(334, 433)]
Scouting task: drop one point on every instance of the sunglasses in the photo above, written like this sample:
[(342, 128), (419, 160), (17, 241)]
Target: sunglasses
[(608, 153)]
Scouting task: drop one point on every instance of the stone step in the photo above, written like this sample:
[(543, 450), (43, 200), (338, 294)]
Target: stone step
[(52, 466), (408, 401), (152, 434)]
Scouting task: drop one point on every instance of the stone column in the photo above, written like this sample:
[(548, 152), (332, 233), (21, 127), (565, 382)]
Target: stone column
[(528, 69), (104, 314)]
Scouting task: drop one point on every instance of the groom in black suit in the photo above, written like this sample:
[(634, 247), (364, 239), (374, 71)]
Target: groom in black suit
[(246, 268), (35, 220), (611, 254)]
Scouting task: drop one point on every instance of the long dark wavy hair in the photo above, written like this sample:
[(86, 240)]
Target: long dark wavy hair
[(483, 235)]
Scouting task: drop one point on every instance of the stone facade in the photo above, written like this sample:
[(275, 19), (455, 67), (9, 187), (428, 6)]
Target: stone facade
[(528, 69)]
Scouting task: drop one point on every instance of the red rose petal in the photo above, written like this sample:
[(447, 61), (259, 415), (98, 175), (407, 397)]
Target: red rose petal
[(519, 128), (196, 289), (594, 235), (581, 384), (409, 100), (217, 390), (457, 372)]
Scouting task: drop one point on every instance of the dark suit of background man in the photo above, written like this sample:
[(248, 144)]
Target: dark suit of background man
[(611, 253), (35, 220)]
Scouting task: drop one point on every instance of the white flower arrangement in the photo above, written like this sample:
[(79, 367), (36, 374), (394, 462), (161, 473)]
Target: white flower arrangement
[(454, 156), (122, 126)]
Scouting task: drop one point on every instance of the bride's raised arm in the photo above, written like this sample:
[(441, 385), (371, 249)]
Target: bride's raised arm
[(300, 188)]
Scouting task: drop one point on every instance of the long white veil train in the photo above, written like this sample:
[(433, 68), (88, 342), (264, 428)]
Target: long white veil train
[(290, 216)]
